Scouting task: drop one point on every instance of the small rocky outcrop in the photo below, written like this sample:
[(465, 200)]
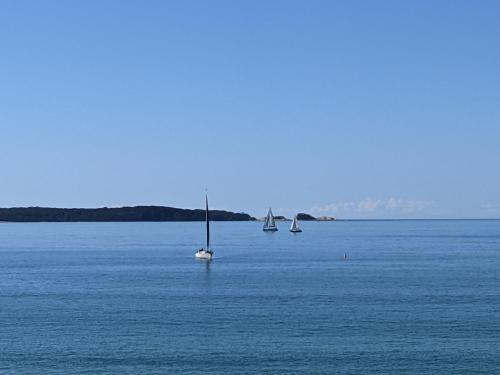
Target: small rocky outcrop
[(305, 217)]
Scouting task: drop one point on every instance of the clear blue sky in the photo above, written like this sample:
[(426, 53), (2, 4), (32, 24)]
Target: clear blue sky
[(345, 108)]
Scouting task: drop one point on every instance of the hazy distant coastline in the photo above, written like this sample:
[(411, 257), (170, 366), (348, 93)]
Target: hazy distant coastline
[(123, 214), (302, 217)]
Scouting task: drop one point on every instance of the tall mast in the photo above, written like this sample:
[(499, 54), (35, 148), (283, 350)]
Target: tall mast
[(207, 221)]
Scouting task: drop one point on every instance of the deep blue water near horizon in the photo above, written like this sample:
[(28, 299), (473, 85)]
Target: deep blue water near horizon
[(127, 298)]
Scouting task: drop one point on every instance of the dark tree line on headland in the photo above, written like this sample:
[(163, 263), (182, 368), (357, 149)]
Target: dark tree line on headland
[(138, 213), (305, 217)]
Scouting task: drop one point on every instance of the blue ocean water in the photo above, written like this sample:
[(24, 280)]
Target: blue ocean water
[(417, 297)]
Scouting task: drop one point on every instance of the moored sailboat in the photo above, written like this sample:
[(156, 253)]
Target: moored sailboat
[(269, 223), (295, 225), (206, 253)]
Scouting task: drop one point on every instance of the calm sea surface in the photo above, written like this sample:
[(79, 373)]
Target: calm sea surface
[(129, 298)]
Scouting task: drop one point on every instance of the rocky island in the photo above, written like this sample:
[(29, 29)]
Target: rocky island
[(305, 217)]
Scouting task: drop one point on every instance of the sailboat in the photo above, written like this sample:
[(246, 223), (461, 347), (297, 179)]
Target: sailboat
[(206, 253), (295, 225), (269, 223)]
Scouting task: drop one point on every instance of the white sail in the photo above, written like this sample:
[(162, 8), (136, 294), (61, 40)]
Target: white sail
[(266, 221), (295, 225), (269, 223), (271, 219)]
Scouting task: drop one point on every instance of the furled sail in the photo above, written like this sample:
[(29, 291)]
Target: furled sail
[(207, 219)]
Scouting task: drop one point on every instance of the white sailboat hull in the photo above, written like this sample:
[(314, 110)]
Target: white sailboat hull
[(270, 229), (204, 254)]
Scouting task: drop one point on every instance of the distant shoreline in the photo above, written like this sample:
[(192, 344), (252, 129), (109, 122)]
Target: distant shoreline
[(252, 221), (155, 214), (118, 214)]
